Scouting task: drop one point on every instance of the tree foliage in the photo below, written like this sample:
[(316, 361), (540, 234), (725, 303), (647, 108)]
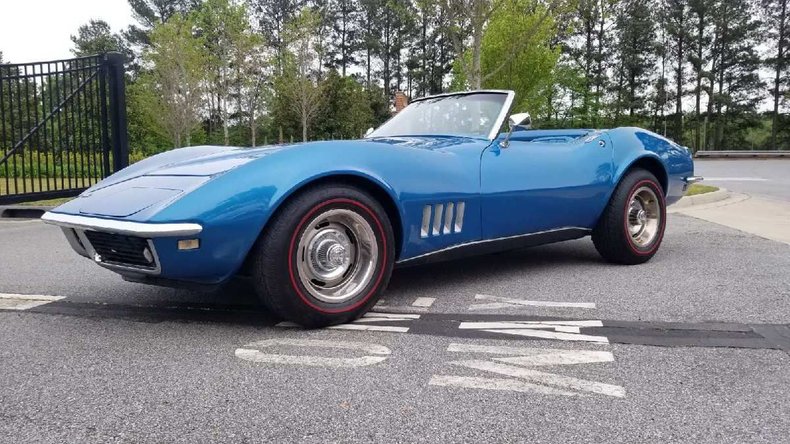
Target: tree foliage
[(711, 74)]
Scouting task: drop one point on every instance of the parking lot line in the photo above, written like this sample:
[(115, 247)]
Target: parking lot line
[(500, 302), (11, 301), (387, 328), (500, 384), (423, 302)]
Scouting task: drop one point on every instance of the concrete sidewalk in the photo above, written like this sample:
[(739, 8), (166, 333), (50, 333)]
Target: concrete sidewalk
[(766, 218)]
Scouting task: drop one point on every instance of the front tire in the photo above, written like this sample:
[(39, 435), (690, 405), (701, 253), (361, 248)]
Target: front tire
[(631, 227), (325, 257)]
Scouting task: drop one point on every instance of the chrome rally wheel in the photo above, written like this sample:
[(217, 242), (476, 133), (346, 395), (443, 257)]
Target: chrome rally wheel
[(644, 216), (325, 257), (336, 255)]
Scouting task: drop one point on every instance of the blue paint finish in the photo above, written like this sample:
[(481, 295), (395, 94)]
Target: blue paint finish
[(533, 185), (545, 179), (632, 144)]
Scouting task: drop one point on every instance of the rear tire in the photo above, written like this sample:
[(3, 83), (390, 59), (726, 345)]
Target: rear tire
[(325, 257), (631, 227)]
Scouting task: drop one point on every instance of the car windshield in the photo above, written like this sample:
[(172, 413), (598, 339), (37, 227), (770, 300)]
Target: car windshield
[(469, 115)]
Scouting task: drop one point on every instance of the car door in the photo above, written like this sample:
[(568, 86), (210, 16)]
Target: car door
[(544, 184)]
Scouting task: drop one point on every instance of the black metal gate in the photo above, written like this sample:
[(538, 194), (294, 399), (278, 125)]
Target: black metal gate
[(62, 126)]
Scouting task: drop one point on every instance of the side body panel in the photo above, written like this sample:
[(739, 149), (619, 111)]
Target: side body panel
[(533, 186)]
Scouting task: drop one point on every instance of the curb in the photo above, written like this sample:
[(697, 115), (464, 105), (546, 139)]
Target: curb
[(23, 211), (701, 199), (744, 154)]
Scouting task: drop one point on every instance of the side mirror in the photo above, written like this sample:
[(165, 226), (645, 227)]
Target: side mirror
[(520, 120), (370, 130)]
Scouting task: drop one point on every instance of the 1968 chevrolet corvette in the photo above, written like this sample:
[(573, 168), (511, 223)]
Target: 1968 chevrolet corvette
[(319, 226)]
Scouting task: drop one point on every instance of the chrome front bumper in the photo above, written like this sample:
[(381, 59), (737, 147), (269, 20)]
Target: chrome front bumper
[(141, 229), (74, 227)]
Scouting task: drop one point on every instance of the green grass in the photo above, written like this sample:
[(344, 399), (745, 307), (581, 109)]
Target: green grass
[(43, 164), (696, 188), (48, 202), (28, 185)]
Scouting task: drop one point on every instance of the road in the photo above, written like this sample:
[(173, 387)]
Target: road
[(688, 347), (768, 178)]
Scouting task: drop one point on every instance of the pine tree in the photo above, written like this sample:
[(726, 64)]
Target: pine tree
[(737, 82), (677, 29), (635, 45), (777, 28), (345, 33), (699, 50)]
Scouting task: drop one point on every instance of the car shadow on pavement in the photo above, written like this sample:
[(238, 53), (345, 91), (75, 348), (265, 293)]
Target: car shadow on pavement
[(236, 302), (503, 264)]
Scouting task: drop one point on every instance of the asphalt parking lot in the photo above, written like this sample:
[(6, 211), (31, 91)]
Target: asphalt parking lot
[(548, 344), (767, 178)]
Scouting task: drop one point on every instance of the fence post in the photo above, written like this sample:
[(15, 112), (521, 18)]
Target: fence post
[(117, 85)]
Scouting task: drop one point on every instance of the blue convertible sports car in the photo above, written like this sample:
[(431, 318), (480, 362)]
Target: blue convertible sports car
[(319, 226)]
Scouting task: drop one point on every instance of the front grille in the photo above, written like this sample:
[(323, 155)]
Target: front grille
[(121, 250)]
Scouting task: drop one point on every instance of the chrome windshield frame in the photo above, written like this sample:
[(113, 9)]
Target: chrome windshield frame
[(500, 120)]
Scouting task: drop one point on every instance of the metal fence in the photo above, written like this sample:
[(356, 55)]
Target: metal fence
[(62, 126)]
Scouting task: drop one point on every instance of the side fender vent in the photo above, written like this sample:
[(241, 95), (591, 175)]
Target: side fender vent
[(442, 218)]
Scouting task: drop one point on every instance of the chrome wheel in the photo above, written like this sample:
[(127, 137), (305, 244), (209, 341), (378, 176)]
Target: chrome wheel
[(337, 255), (644, 216)]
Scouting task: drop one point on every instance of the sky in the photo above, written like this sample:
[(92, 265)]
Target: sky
[(40, 30)]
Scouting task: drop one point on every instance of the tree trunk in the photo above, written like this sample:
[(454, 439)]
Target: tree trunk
[(424, 45), (343, 49), (599, 75), (476, 74), (304, 128), (679, 80), (777, 78), (698, 92), (588, 60)]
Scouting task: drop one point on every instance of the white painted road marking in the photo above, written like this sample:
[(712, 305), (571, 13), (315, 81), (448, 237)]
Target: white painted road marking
[(562, 330), (735, 179), (423, 302), (390, 316), (420, 305), (361, 323), (252, 352), (355, 326), (502, 384), (535, 376), (528, 324), (500, 302), (11, 301), (527, 379)]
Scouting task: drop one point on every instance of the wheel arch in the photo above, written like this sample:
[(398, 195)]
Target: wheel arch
[(651, 164), (383, 195)]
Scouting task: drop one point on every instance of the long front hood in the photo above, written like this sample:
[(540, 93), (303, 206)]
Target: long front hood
[(193, 161), (155, 182)]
